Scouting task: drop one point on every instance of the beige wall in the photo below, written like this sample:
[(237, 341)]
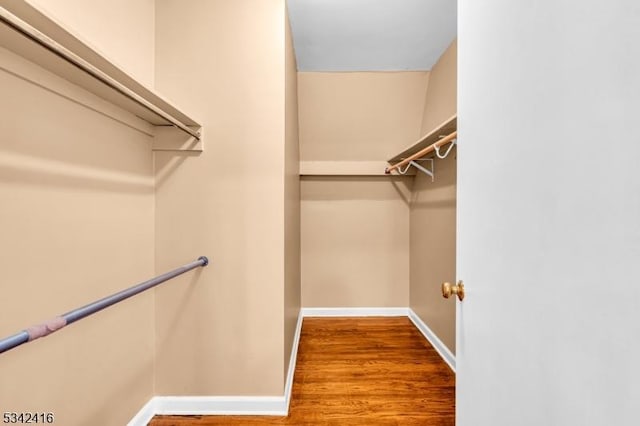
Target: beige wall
[(223, 334), (77, 222), (123, 30), (292, 290), (433, 213), (359, 116), (433, 248), (355, 229), (355, 241), (83, 185), (440, 102)]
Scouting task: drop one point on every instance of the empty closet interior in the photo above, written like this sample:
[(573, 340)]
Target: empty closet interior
[(185, 129), (371, 239)]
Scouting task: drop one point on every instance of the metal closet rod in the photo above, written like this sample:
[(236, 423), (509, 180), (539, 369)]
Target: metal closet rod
[(423, 152), (51, 45), (55, 324)]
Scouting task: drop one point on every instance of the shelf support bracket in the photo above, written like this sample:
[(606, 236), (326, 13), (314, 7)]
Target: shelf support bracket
[(424, 169)]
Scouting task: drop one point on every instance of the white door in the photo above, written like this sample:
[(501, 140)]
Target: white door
[(549, 213)]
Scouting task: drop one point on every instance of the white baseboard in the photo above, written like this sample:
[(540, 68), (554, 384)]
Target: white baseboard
[(355, 312), (224, 405), (288, 387), (221, 405), (145, 414), (437, 344), (276, 405)]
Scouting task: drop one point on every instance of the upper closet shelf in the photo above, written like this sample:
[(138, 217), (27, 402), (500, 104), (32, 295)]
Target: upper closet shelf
[(400, 164), (342, 168), (30, 33), (445, 133)]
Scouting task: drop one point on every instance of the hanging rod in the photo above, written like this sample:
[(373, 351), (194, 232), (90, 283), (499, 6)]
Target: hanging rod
[(55, 324), (423, 152), (51, 45)]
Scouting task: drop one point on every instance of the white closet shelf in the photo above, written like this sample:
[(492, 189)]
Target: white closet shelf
[(447, 127), (343, 168), (443, 132), (129, 93)]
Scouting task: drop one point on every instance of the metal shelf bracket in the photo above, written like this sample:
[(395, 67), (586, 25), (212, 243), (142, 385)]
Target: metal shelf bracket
[(418, 166), (424, 169)]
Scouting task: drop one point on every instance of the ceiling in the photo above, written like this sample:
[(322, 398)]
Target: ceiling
[(371, 35)]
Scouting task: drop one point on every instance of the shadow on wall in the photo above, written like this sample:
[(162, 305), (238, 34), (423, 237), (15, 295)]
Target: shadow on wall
[(348, 188), (182, 296), (52, 140), (42, 172), (21, 168), (403, 186), (442, 191), (167, 163)]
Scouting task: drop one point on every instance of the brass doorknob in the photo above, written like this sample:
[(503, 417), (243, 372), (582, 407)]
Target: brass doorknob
[(448, 289)]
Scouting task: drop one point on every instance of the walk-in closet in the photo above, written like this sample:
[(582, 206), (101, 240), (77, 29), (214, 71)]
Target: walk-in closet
[(319, 212)]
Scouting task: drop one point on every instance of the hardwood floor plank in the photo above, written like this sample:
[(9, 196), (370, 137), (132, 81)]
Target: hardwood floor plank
[(358, 371)]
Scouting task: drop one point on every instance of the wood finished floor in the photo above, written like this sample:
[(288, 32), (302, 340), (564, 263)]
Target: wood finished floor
[(358, 371)]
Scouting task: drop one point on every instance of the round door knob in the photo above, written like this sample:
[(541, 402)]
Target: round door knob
[(448, 289)]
